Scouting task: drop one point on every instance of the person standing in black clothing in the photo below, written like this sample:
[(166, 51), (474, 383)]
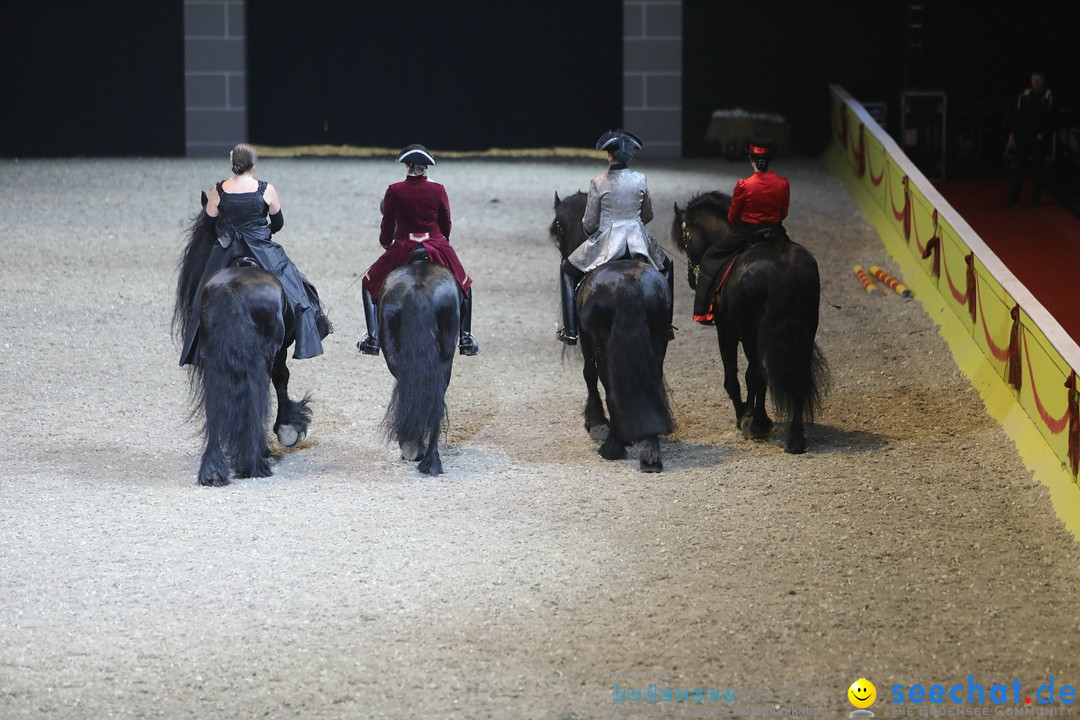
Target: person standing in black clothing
[(1030, 133)]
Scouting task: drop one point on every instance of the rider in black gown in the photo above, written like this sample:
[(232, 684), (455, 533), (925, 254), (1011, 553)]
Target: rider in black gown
[(243, 232)]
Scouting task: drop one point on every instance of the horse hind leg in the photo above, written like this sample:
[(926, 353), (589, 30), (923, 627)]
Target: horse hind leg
[(649, 455), (755, 422), (431, 463), (613, 447), (251, 454), (596, 423), (411, 450), (213, 471), (796, 437)]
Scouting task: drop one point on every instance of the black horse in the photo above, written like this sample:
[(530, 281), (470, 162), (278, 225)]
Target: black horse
[(768, 301), (419, 321), (623, 329), (244, 332)]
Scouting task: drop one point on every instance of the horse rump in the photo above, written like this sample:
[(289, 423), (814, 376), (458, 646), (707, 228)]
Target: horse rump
[(624, 328), (795, 366), (419, 320), (241, 328)]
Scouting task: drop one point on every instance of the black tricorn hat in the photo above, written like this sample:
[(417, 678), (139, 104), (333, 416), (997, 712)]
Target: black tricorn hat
[(620, 138), (416, 155)]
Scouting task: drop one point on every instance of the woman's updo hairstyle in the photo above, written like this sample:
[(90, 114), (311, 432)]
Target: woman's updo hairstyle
[(243, 158)]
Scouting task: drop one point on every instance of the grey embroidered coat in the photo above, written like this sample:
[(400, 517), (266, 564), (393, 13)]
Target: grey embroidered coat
[(615, 215)]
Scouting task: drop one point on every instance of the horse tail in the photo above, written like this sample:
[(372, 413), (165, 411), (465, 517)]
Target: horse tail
[(237, 362), (201, 239), (633, 363), (420, 356), (796, 368)]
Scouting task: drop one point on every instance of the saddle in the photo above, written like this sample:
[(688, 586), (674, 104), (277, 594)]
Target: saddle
[(765, 234), (769, 232), (419, 255)]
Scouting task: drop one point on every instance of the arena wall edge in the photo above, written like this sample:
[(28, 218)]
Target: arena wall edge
[(1016, 355)]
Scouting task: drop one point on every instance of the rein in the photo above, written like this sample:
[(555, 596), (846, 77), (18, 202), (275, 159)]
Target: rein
[(326, 310)]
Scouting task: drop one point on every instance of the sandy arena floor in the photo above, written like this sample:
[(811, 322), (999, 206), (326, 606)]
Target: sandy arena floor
[(910, 545)]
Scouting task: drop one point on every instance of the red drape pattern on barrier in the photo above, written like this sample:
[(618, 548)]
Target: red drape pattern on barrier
[(1016, 376)]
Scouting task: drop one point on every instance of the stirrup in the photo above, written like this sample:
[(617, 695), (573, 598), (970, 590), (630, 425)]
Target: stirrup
[(566, 337), (468, 345), (368, 345)]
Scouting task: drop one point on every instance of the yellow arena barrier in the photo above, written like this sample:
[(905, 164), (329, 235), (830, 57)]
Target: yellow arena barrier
[(1019, 358)]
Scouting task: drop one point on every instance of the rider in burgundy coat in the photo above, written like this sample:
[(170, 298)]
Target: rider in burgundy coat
[(416, 213)]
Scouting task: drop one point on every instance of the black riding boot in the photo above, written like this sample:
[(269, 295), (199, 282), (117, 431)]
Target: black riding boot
[(323, 324), (369, 344), (669, 275), (467, 345), (568, 284)]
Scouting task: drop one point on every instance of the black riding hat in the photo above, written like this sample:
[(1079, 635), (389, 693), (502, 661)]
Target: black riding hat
[(621, 144), (416, 155), (619, 139), (760, 147)]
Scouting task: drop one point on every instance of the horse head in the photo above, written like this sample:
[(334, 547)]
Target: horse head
[(701, 223), (566, 229)]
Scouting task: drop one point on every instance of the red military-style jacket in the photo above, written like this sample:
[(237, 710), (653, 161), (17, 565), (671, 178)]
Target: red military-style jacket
[(761, 199), (416, 212)]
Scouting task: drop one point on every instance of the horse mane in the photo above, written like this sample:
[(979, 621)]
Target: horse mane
[(707, 212), (715, 201), (567, 232), (202, 235)]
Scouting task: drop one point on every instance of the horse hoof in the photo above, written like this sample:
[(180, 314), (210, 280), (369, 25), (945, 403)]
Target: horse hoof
[(431, 467), (612, 449), (752, 430), (288, 435), (410, 451), (651, 466), (599, 433), (214, 481), (795, 447)]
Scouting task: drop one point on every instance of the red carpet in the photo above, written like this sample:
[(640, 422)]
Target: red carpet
[(1041, 245)]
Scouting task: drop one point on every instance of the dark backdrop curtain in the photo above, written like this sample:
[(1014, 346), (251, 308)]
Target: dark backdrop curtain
[(449, 75)]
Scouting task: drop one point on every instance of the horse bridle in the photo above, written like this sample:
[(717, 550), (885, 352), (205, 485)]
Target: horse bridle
[(686, 237)]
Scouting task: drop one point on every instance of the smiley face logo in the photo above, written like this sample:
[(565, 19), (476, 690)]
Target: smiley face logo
[(862, 693)]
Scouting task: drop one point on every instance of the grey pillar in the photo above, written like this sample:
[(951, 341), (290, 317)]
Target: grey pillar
[(652, 74), (215, 76)]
